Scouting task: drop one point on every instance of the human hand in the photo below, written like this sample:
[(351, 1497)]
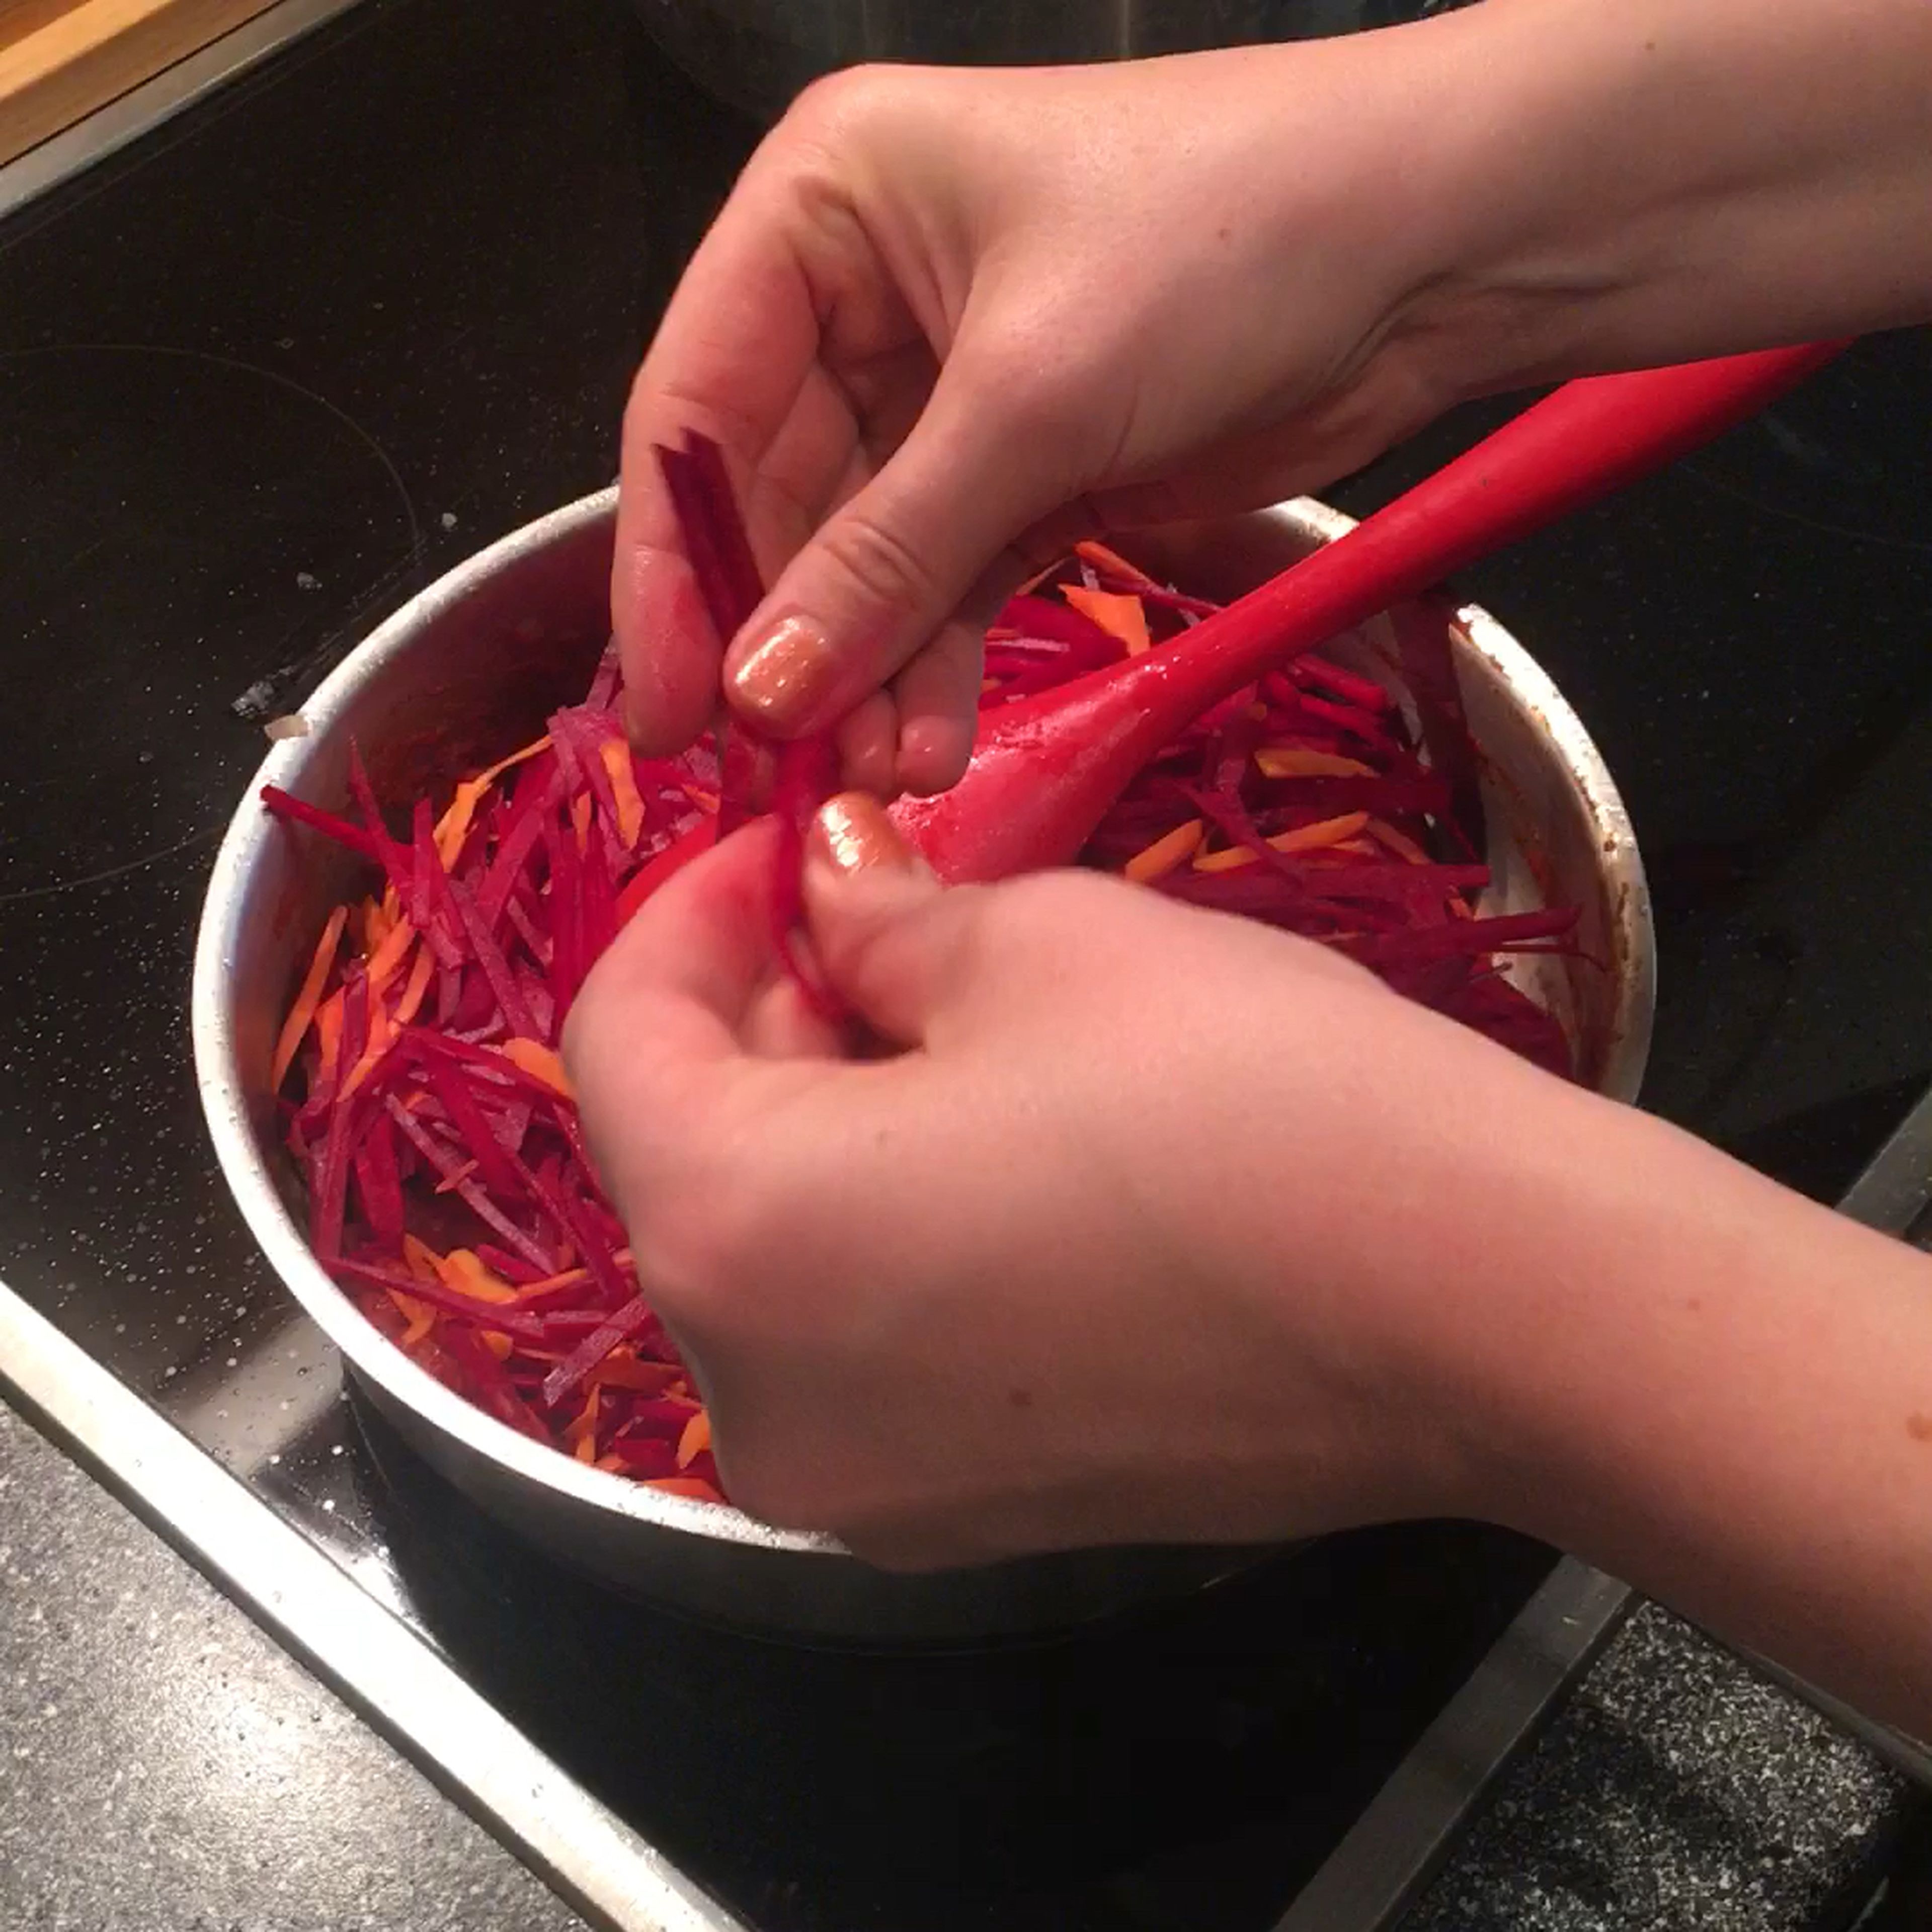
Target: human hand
[(1156, 1225), (950, 320)]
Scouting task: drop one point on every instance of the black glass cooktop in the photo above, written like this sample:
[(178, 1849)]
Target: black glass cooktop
[(278, 366)]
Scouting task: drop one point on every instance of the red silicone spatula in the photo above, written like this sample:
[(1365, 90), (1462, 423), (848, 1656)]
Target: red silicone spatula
[(1045, 768)]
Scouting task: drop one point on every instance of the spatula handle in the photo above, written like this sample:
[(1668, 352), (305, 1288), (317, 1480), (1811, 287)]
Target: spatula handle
[(1583, 443)]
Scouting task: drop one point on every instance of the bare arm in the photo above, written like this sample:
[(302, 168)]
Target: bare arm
[(949, 318), (1652, 182), (971, 1301)]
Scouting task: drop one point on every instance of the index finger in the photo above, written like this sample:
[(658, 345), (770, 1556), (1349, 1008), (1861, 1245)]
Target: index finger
[(734, 359)]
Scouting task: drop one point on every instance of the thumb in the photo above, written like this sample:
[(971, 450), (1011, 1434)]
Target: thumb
[(881, 577), (888, 937)]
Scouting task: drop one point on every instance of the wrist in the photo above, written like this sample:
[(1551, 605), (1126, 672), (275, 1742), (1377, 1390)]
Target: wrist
[(1623, 186)]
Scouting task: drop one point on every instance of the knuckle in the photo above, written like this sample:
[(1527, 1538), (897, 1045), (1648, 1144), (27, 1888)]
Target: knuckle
[(837, 103), (883, 568)]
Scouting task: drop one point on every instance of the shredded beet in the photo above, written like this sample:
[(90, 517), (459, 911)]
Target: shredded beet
[(451, 1192)]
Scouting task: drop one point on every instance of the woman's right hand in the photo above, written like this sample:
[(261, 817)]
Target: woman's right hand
[(949, 320)]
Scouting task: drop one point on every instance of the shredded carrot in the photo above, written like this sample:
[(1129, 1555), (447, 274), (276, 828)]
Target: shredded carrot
[(611, 1465), (581, 1430), (1118, 613), (461, 1271), (1397, 842), (685, 1485), (1170, 850), (623, 1369), (420, 1316), (376, 924), (453, 827), (422, 1260), (695, 1440), (382, 1032), (1039, 577), (616, 756), (569, 1278), (1299, 761), (328, 1029), (580, 819), (499, 1345), (540, 1062), (456, 1177), (1303, 838), (295, 1028), (1102, 558), (503, 765), (418, 985)]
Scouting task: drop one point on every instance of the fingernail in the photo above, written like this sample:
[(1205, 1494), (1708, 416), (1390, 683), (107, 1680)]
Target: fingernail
[(854, 833), (786, 674)]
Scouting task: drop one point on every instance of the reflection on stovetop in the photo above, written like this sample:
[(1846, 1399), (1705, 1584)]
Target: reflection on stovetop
[(425, 254), (1183, 1768)]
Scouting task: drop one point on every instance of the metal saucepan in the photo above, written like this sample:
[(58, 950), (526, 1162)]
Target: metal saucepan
[(467, 669)]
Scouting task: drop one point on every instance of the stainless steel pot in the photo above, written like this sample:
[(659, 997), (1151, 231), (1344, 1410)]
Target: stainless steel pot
[(465, 671), (756, 54)]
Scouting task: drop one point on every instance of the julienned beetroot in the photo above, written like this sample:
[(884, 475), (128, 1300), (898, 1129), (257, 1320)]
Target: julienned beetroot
[(451, 1193)]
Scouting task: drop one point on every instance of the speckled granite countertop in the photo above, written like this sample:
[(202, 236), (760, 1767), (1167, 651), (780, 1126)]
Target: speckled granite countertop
[(165, 1768), (1675, 1790)]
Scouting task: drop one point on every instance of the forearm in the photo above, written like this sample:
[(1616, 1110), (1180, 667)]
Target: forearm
[(1724, 1394), (1655, 180)]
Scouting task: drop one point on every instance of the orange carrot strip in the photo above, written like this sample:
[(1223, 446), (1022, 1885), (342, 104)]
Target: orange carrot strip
[(1303, 838), (1102, 558), (453, 827), (685, 1485), (462, 1271), (1398, 842), (1039, 577), (579, 820), (421, 1259), (329, 1031), (457, 1176), (499, 1345), (614, 1464), (622, 1369), (385, 961), (616, 756), (418, 985), (295, 1028), (382, 1031), (503, 765), (539, 1062), (569, 1278), (1116, 612), (695, 1440), (420, 1316), (1301, 761), (582, 1427), (1170, 850)]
